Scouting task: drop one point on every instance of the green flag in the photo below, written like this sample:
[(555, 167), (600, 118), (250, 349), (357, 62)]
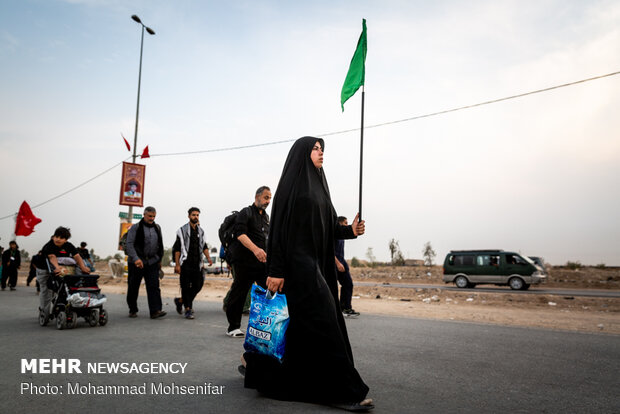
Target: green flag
[(356, 74)]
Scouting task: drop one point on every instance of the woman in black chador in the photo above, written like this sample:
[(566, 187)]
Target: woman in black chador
[(318, 363)]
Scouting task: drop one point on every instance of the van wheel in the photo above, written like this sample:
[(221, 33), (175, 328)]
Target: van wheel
[(461, 282), (516, 283)]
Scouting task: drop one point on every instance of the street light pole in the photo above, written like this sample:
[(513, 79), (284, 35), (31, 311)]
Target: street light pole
[(135, 135)]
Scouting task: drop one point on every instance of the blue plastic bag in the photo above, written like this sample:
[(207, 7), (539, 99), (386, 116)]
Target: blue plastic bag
[(266, 333)]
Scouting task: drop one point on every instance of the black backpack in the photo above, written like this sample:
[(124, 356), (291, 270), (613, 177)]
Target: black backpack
[(227, 236)]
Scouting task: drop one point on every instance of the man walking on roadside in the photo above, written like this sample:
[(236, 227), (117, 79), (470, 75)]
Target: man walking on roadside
[(344, 277), (11, 262), (251, 230), (189, 251), (145, 249)]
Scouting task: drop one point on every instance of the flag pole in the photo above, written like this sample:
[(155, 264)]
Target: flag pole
[(361, 154), (14, 234)]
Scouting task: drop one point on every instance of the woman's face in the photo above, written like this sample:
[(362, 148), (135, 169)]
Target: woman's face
[(317, 155)]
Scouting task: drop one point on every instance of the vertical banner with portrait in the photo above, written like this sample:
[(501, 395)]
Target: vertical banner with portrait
[(125, 226), (132, 185)]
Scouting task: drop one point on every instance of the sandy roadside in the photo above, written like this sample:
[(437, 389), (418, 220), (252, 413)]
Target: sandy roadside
[(570, 314), (578, 314)]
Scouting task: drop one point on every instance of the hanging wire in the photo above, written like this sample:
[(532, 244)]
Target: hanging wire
[(71, 189), (521, 95)]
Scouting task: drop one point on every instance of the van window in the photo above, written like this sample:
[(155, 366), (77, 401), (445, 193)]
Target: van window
[(464, 260), (483, 260), (487, 260), (515, 259)]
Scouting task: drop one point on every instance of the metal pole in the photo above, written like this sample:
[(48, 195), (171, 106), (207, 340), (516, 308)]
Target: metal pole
[(135, 135), (361, 153)]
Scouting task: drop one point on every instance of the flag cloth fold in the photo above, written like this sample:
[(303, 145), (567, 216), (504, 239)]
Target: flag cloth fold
[(145, 153), (24, 225), (357, 70), (126, 143)]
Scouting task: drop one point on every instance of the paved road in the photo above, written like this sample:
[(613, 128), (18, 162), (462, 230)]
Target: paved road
[(411, 365), (598, 293)]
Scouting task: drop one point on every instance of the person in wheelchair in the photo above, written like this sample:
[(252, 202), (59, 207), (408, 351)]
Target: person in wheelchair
[(58, 249)]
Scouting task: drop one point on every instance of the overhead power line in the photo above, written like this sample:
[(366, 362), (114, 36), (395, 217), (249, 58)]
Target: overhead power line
[(69, 190), (460, 108), (413, 118)]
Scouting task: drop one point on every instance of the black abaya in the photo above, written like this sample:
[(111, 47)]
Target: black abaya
[(318, 362)]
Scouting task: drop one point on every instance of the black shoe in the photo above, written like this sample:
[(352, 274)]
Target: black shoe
[(350, 313), (158, 314), (241, 370), (12, 288), (179, 305), (133, 314)]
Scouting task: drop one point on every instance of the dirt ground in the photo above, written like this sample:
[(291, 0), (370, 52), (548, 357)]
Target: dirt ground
[(560, 312)]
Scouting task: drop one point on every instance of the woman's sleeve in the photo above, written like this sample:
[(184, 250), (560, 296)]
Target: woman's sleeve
[(344, 232), (275, 258)]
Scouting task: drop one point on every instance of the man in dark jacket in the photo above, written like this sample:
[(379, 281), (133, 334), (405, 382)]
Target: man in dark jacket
[(11, 262), (251, 230), (145, 249)]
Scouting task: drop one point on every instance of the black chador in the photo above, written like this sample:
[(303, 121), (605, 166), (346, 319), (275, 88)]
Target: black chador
[(318, 362)]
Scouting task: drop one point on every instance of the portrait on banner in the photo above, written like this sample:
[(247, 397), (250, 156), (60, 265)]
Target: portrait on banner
[(132, 185)]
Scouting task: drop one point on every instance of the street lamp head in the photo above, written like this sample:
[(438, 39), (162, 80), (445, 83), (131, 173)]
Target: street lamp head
[(136, 18), (148, 29)]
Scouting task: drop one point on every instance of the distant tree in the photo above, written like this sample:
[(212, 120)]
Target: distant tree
[(428, 253), (371, 256), (574, 265), (24, 254), (355, 262), (396, 255), (601, 266), (399, 259), (393, 246)]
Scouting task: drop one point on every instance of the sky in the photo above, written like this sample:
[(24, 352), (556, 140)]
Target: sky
[(539, 175)]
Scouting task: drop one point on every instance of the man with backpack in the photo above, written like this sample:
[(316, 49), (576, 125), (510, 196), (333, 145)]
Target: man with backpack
[(248, 248)]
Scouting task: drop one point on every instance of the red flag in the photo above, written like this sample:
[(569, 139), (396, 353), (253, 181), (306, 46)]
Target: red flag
[(145, 153), (26, 221), (126, 143)]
